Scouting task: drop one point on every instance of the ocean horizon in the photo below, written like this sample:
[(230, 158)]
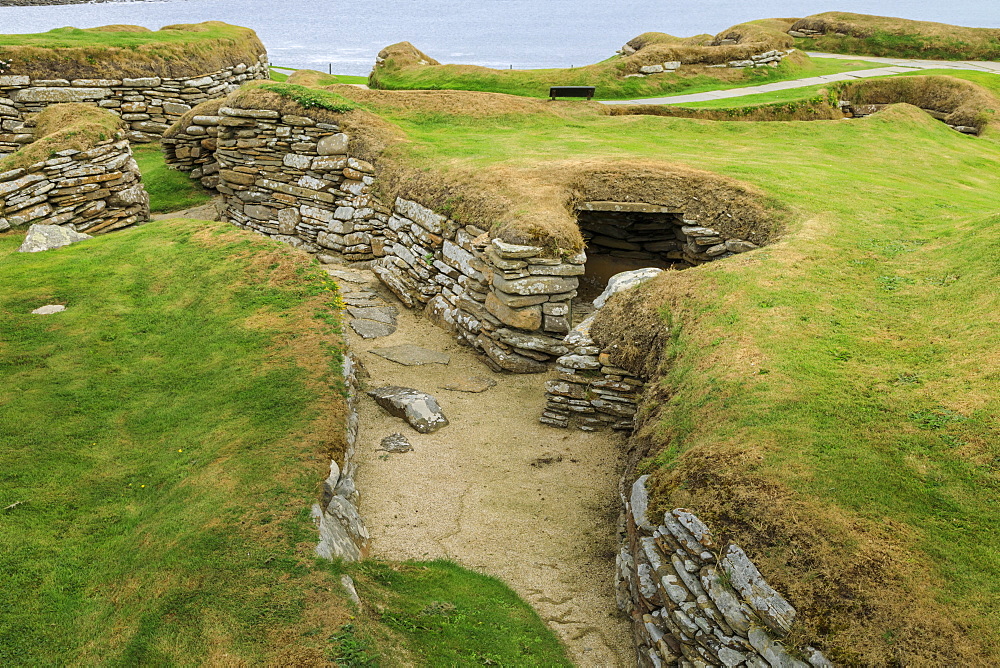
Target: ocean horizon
[(346, 36)]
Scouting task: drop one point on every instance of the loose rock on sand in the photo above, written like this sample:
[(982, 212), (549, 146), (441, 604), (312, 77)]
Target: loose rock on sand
[(420, 409)]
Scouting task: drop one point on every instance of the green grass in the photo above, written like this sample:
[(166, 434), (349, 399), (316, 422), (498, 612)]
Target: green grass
[(327, 80), (169, 190), (310, 98), (903, 45), (886, 276), (155, 444), (61, 38), (535, 83), (777, 97), (450, 616), (985, 79), (164, 440)]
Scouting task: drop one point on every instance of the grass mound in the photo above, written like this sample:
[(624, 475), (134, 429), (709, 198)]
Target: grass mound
[(130, 51), (739, 42), (164, 439), (61, 127), (403, 67), (862, 34), (958, 102), (531, 204)]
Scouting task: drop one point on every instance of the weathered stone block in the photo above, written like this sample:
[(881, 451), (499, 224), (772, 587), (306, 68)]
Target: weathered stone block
[(514, 251), (55, 95), (421, 215), (535, 285), (333, 145), (297, 161), (142, 82), (529, 318)]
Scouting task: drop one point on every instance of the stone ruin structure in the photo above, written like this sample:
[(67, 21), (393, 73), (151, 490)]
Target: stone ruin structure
[(692, 602), (149, 104), (92, 190)]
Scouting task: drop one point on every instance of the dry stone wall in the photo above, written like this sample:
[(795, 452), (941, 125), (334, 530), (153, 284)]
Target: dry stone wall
[(342, 532), (192, 149), (93, 191), (696, 602), (150, 105), (590, 393), (291, 177), (770, 58)]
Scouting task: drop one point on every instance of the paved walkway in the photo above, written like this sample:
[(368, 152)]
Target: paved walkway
[(893, 66)]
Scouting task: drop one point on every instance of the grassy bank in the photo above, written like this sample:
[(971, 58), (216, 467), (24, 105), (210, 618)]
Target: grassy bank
[(62, 127), (130, 51), (836, 388), (867, 35), (607, 76), (165, 438), (314, 77)]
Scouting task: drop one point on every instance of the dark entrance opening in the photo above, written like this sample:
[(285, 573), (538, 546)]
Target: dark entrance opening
[(622, 236)]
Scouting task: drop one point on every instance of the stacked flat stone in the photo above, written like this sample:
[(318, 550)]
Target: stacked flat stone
[(342, 531), (590, 393), (94, 191), (694, 602), (766, 59), (291, 178), (676, 239), (805, 32), (150, 105), (527, 305), (193, 150)]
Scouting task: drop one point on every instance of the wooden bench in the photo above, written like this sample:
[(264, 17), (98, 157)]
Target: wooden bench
[(572, 91)]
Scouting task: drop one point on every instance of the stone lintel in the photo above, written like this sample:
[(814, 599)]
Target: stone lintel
[(626, 207)]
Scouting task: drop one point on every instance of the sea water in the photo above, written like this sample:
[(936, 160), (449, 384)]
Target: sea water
[(345, 35)]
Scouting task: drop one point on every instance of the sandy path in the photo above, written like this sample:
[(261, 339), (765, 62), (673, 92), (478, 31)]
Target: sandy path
[(496, 491)]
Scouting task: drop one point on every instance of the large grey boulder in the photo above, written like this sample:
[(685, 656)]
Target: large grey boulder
[(420, 409), (48, 237), (624, 281)]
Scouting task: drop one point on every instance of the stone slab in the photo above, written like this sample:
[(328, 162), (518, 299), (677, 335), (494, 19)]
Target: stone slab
[(49, 310), (48, 237), (419, 409), (383, 314), (395, 443), (471, 384), (372, 329)]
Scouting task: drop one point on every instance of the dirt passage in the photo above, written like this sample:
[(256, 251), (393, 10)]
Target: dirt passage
[(495, 490)]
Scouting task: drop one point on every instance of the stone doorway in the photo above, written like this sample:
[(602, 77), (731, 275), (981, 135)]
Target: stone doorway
[(622, 236)]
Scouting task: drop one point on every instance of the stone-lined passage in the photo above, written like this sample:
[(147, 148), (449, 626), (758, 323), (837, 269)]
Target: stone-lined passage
[(291, 177)]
